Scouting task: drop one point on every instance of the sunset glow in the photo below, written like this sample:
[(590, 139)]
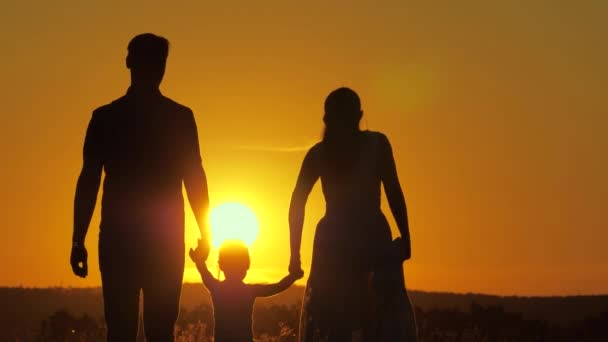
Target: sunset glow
[(495, 113), (233, 221)]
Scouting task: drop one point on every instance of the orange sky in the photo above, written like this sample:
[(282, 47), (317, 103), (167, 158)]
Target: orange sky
[(497, 115)]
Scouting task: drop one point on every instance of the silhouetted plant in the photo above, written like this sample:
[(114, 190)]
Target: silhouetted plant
[(279, 323), (61, 326)]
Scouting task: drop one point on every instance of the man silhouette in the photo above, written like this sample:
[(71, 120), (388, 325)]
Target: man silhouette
[(147, 145)]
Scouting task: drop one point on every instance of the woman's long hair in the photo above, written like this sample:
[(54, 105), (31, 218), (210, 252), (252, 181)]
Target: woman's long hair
[(340, 138)]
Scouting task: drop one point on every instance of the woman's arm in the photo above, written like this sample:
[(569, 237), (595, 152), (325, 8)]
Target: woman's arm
[(307, 178), (394, 194)]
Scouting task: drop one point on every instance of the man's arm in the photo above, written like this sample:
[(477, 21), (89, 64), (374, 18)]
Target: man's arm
[(87, 188), (195, 180), (85, 199), (267, 290)]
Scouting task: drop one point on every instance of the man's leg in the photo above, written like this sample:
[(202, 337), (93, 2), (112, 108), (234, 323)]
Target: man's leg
[(162, 290), (121, 308), (121, 289)]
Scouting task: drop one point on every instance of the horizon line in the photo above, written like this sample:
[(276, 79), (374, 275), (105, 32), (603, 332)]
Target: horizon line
[(59, 287)]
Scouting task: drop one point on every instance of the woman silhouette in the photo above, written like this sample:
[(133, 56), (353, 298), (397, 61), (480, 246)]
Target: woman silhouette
[(356, 289)]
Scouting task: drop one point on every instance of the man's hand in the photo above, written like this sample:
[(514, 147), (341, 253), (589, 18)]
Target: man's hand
[(78, 260), (402, 249), (201, 253)]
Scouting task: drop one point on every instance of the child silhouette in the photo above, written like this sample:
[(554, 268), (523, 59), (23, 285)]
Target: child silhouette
[(232, 298)]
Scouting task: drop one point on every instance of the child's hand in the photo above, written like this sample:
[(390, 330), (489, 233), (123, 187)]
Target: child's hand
[(199, 254)]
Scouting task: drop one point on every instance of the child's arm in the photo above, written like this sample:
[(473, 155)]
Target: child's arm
[(208, 279), (267, 290)]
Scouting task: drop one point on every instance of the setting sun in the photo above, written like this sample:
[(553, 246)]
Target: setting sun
[(233, 221)]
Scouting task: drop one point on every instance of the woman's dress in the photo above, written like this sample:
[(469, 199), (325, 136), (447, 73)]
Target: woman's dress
[(355, 290)]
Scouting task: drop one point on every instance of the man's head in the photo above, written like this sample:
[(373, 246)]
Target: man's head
[(147, 58), (234, 259)]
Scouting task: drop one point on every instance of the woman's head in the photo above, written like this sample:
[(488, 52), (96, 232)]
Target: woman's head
[(234, 259), (340, 139), (342, 110)]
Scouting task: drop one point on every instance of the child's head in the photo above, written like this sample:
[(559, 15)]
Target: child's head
[(234, 259)]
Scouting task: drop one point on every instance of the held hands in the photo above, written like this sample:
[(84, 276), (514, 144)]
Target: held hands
[(78, 260), (293, 277), (200, 254), (295, 267)]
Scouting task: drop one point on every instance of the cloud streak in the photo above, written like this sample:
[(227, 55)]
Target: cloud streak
[(278, 149)]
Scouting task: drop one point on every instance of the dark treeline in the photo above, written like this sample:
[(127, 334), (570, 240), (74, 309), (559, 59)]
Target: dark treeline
[(280, 323), (59, 314)]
